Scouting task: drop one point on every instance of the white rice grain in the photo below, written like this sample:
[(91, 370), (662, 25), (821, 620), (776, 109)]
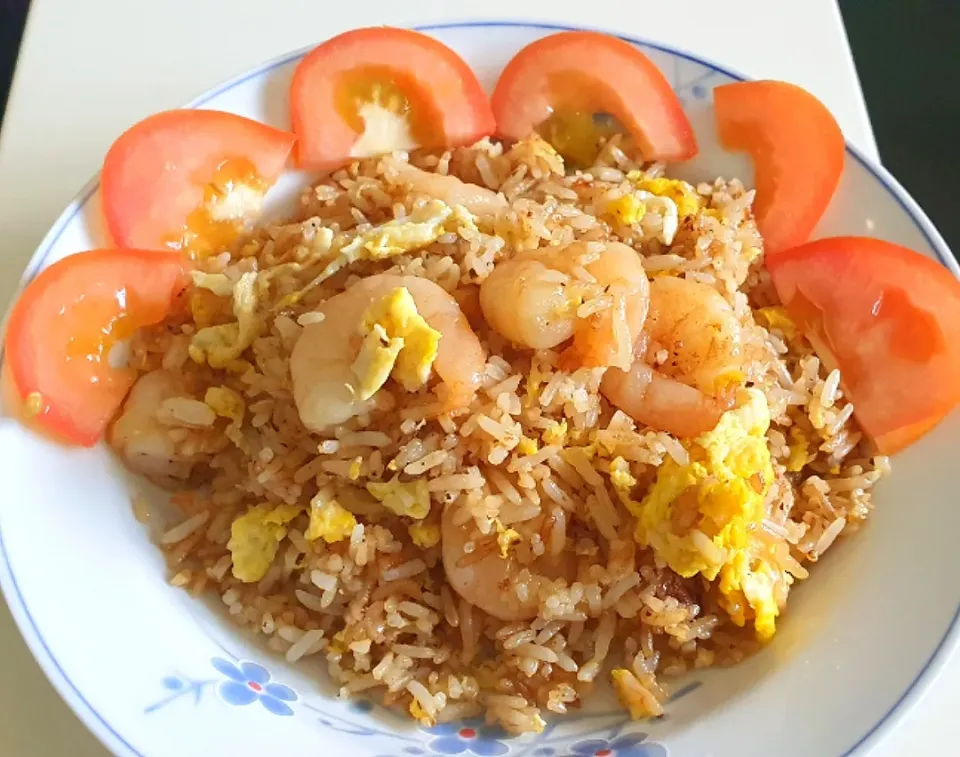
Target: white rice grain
[(304, 645), (182, 530)]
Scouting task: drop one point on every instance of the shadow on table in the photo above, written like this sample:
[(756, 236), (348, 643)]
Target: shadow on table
[(906, 55)]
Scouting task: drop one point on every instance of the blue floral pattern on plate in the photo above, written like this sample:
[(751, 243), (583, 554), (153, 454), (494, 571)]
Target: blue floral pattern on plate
[(248, 682), (470, 737), (627, 745), (593, 734)]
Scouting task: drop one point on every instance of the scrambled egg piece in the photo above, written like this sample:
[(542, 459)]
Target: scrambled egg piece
[(225, 402), (424, 535), (410, 499), (421, 715), (684, 195), (397, 341), (527, 446), (555, 433), (700, 517), (620, 476), (631, 694), (506, 537), (424, 226), (255, 539), (356, 468), (218, 283), (221, 345), (329, 521), (627, 209), (777, 318), (533, 382), (800, 453)]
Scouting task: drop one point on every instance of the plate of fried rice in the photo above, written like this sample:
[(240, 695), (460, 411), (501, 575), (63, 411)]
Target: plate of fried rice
[(496, 389)]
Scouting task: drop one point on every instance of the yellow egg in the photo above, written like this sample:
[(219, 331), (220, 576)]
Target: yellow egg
[(702, 517), (630, 693), (420, 715), (555, 433), (800, 453), (424, 535), (356, 467), (534, 379), (255, 539), (424, 226), (410, 499), (620, 475), (225, 402), (777, 318), (339, 642), (397, 342), (527, 446), (627, 209), (375, 360), (684, 195), (220, 345), (329, 521), (506, 537)]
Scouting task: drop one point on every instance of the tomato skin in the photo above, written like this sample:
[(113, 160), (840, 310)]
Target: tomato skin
[(155, 174), (442, 82), (622, 78), (889, 318), (64, 324), (797, 150)]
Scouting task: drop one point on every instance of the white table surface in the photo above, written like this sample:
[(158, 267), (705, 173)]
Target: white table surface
[(87, 70)]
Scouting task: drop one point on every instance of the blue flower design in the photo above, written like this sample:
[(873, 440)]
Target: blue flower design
[(627, 745), (248, 682), (468, 736)]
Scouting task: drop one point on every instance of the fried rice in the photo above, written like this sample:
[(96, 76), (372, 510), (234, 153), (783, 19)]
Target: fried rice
[(376, 605)]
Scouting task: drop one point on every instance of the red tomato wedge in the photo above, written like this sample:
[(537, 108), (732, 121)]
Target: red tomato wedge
[(594, 73), (889, 319), (160, 176), (425, 86), (64, 326), (797, 150)]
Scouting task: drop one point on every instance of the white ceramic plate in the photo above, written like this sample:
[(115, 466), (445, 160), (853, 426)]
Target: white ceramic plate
[(153, 672)]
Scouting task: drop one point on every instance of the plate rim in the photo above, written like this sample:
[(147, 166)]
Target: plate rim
[(48, 663)]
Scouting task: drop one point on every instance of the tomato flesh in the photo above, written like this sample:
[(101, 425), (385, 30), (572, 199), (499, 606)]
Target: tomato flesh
[(797, 150), (889, 319), (587, 72), (185, 179), (67, 326), (412, 76)]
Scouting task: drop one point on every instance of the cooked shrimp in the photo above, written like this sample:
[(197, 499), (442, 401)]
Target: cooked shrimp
[(141, 440), (321, 363), (478, 200), (541, 298), (685, 394), (487, 580)]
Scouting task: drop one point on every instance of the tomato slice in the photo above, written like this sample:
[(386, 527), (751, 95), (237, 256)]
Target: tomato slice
[(564, 75), (889, 318), (67, 327), (797, 150), (187, 178), (371, 91)]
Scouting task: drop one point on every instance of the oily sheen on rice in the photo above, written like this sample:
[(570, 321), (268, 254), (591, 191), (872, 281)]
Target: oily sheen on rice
[(376, 605)]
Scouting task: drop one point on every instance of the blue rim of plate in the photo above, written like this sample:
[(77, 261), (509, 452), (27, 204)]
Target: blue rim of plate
[(108, 735)]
